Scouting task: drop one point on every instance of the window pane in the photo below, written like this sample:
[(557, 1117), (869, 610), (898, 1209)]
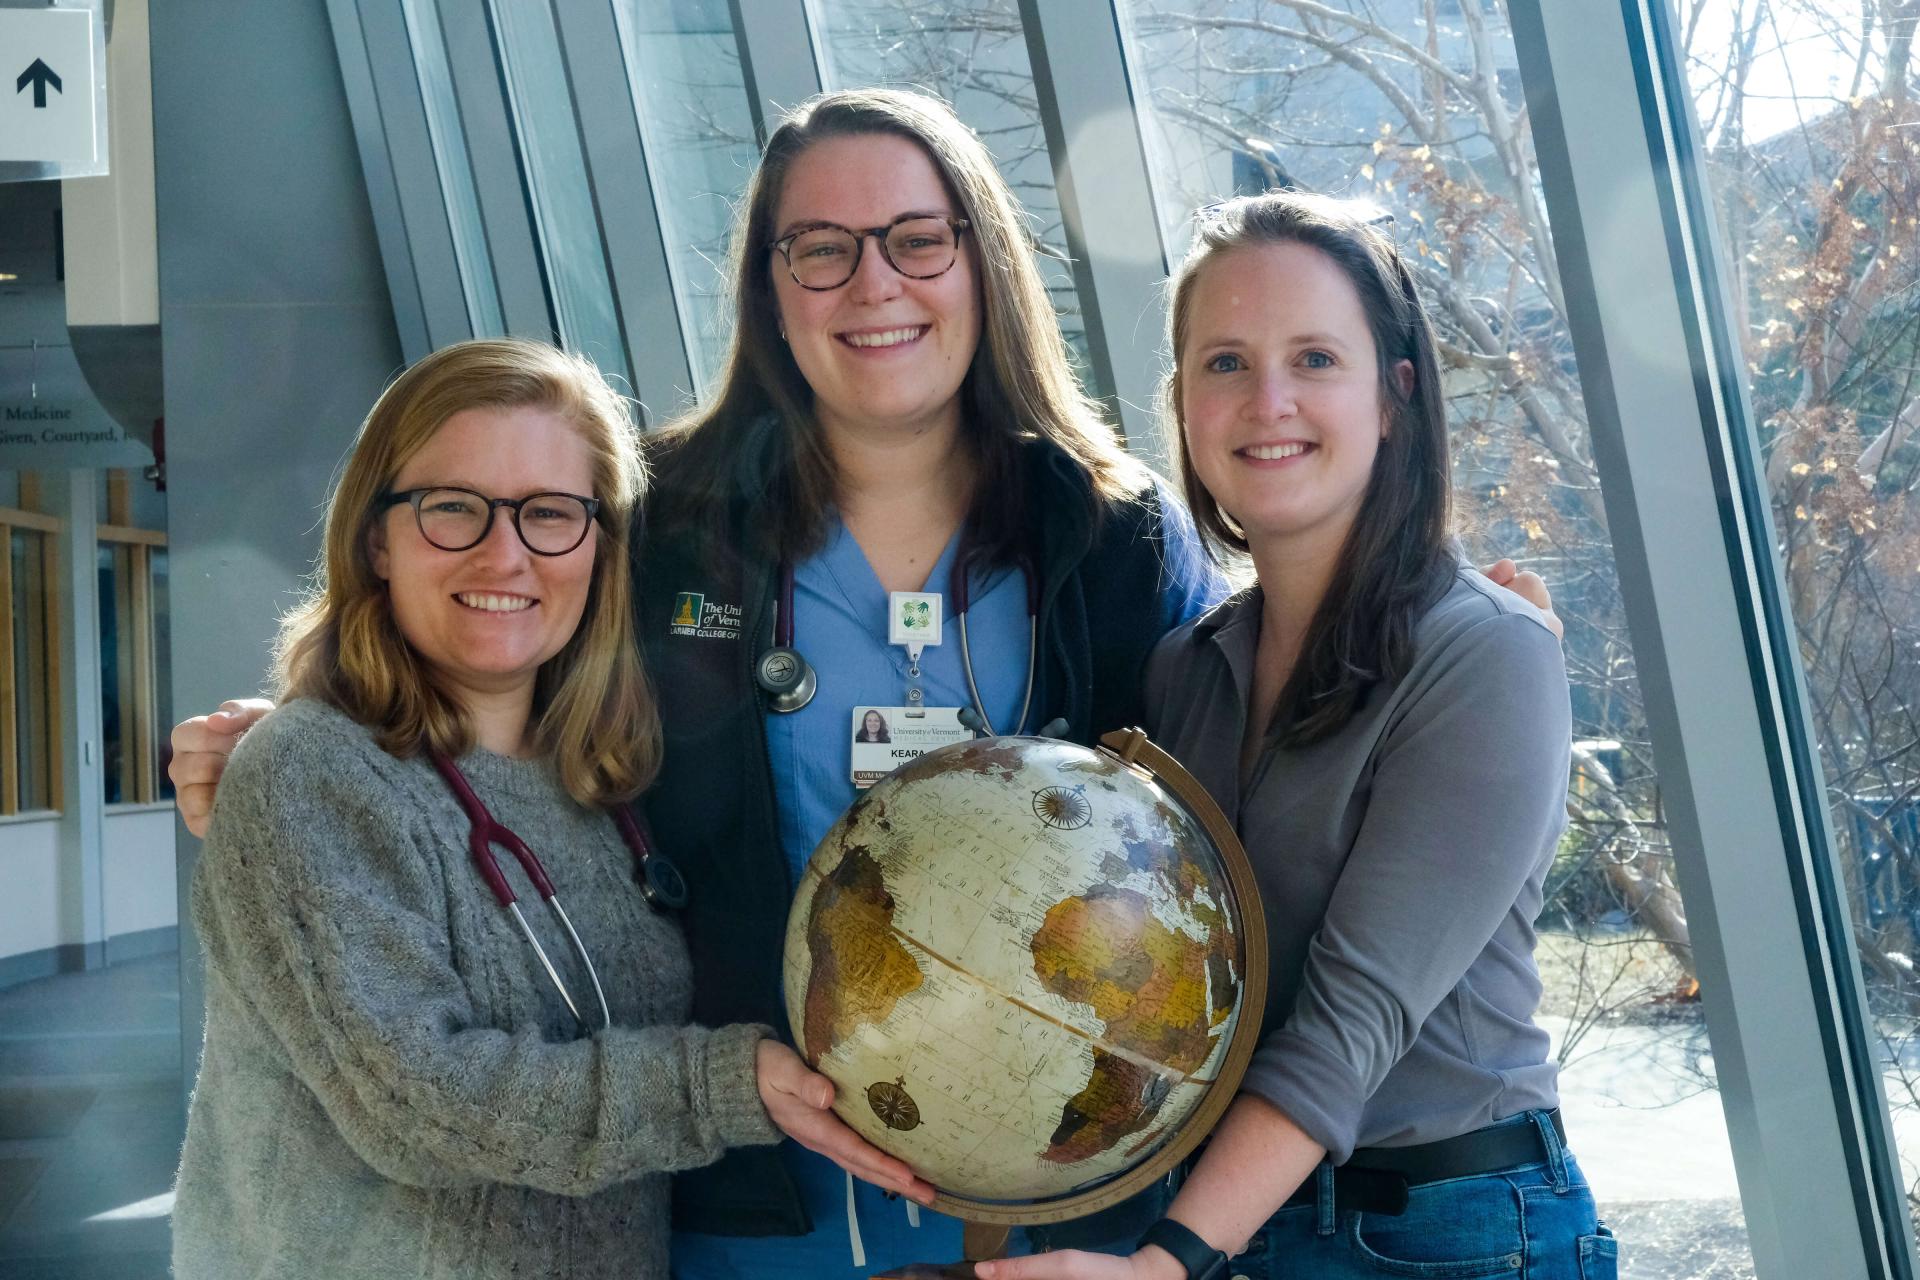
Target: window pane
[(556, 174), (456, 174), (683, 62), (1406, 105), (973, 53), (1813, 141)]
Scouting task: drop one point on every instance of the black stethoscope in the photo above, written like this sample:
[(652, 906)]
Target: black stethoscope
[(660, 881), (787, 678)]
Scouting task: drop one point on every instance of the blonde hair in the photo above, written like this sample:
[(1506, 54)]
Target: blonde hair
[(758, 437), (594, 712)]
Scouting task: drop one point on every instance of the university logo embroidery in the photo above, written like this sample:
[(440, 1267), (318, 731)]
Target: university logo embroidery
[(694, 616)]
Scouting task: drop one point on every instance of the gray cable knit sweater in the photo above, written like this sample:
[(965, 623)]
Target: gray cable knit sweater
[(390, 1086)]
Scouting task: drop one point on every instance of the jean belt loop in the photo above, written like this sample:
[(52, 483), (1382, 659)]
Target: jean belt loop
[(1323, 1198), (1556, 1154)]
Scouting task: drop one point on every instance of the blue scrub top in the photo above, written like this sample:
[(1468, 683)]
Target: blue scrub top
[(840, 625)]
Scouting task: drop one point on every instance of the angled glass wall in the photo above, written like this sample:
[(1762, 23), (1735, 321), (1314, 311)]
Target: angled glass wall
[(1422, 112), (1811, 133), (972, 53), (683, 61), (568, 229), (456, 174)]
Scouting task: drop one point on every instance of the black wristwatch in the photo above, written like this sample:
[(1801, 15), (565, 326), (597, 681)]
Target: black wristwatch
[(1202, 1260)]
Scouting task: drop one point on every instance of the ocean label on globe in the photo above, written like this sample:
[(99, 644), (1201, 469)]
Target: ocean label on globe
[(1019, 962)]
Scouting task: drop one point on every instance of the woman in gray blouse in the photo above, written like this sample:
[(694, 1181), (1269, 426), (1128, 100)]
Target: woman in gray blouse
[(1391, 734), (402, 1075)]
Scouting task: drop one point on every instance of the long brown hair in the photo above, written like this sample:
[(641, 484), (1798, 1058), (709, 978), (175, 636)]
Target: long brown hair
[(1399, 553), (758, 440), (595, 712)]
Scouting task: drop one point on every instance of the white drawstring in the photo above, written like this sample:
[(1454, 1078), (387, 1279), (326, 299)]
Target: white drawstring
[(853, 1227), (853, 1224)]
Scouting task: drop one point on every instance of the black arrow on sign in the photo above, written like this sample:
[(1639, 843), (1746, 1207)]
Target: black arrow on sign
[(39, 75)]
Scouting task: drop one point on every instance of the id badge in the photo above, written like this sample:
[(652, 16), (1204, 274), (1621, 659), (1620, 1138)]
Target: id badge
[(884, 738)]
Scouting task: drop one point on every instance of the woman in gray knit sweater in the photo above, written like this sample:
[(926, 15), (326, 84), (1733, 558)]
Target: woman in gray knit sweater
[(392, 1084)]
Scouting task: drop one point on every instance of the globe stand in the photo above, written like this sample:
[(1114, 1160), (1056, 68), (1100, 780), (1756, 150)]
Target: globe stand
[(979, 1242)]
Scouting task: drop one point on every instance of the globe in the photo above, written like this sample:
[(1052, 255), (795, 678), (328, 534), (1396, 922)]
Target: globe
[(1027, 966)]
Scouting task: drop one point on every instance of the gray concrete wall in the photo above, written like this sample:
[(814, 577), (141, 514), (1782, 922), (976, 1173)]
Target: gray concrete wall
[(277, 327)]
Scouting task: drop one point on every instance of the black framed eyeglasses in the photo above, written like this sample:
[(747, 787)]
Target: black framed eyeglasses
[(452, 519), (824, 255)]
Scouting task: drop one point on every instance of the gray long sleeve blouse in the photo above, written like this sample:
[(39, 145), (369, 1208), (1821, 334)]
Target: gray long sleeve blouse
[(390, 1086), (1401, 862)]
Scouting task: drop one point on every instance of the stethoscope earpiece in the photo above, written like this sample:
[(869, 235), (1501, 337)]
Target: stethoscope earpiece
[(1054, 728), (786, 678)]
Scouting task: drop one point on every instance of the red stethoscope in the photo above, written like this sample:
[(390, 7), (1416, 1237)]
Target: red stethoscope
[(660, 881)]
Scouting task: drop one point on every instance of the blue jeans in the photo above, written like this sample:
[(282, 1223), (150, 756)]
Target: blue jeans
[(1530, 1222)]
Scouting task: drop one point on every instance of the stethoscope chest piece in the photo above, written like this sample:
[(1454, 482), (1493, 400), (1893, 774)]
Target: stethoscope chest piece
[(786, 678), (661, 883)]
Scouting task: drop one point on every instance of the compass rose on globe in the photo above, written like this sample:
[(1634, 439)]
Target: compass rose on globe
[(894, 1105), (1064, 808)]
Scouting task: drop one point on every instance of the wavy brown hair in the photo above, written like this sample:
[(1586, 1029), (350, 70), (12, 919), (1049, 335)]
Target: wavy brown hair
[(594, 712), (1399, 554), (757, 439)]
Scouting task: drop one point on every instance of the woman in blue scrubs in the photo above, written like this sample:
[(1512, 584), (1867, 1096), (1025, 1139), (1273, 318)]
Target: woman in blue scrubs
[(897, 416)]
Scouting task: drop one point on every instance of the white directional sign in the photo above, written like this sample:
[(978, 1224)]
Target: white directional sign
[(47, 88)]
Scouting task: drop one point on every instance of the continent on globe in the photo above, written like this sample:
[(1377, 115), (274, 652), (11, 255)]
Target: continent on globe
[(1151, 985), (860, 971), (1121, 1099)]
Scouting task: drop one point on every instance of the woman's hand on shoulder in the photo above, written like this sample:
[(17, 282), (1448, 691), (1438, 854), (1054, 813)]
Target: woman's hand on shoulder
[(800, 1102), (200, 750), (1529, 586)]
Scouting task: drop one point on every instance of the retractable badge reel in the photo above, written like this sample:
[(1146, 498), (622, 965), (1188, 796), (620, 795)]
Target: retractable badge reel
[(913, 622), (884, 738)]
